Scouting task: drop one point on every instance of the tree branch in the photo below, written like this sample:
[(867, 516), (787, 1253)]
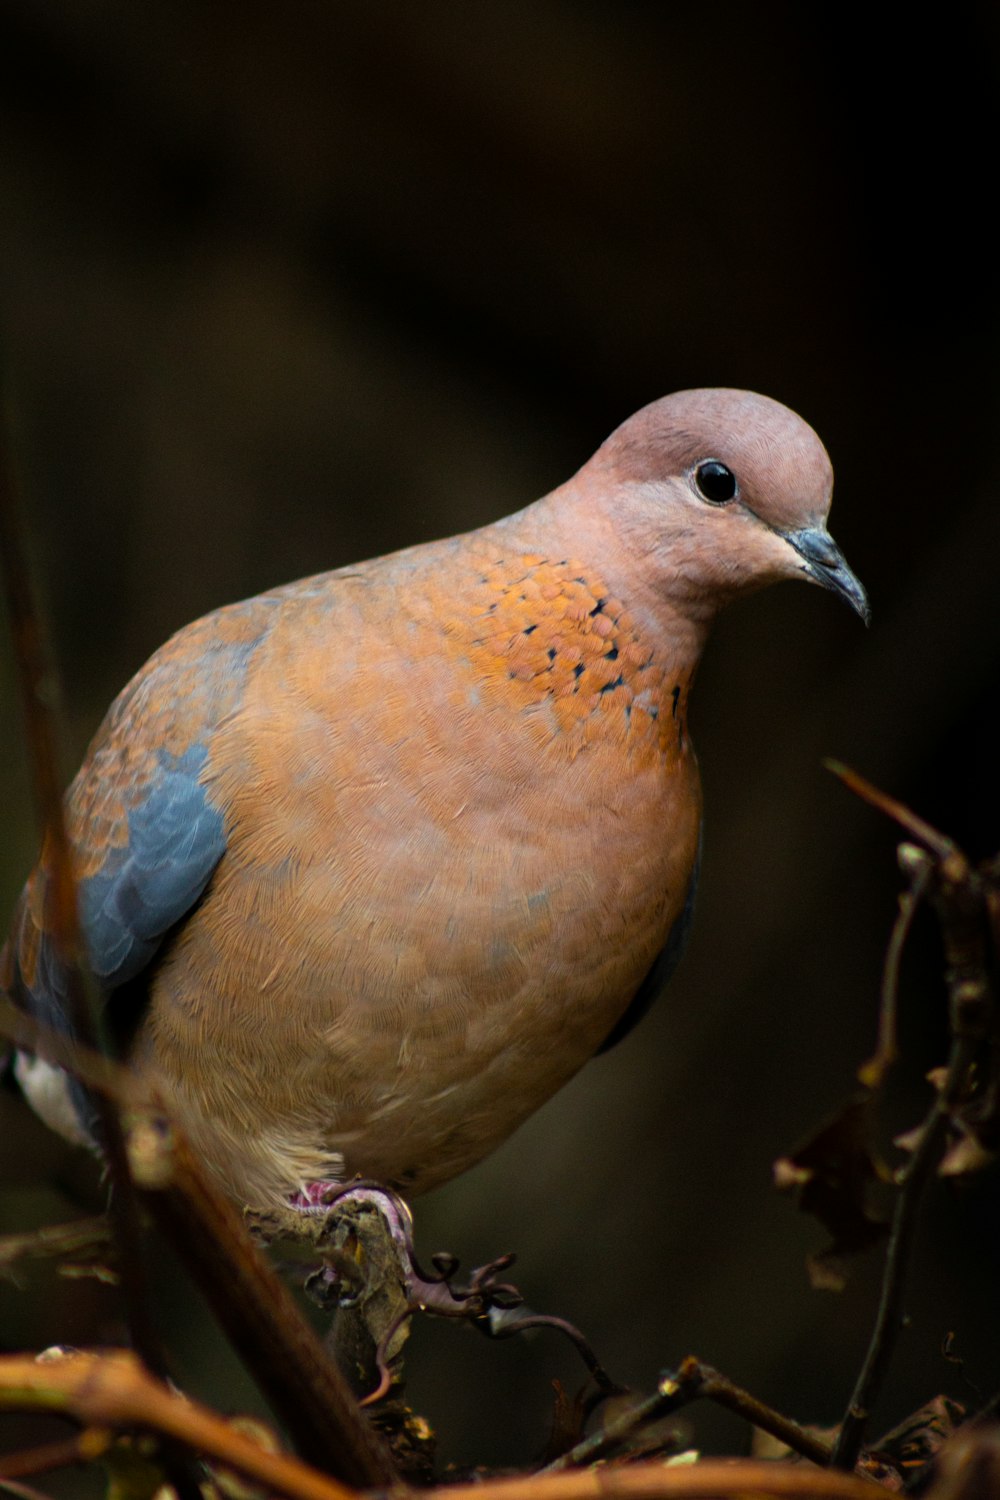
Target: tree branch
[(693, 1381), (84, 1237), (956, 890), (82, 1448), (112, 1390), (712, 1479), (255, 1307)]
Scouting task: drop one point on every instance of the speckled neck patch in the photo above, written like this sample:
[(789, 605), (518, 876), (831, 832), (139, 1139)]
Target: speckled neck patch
[(550, 633)]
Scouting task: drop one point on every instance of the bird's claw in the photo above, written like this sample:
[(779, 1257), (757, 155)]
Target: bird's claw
[(493, 1306)]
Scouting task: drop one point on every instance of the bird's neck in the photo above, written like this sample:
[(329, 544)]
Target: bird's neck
[(559, 528)]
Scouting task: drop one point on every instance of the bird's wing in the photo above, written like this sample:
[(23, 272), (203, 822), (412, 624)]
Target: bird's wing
[(145, 832), (663, 967)]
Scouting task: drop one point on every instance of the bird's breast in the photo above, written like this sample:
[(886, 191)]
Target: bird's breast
[(458, 836)]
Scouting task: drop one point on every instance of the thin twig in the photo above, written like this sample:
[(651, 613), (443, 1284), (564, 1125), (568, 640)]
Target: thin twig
[(718, 1388), (82, 1448), (54, 1242), (615, 1430), (940, 845), (20, 1491), (888, 1321), (872, 1073), (957, 892), (100, 1074), (693, 1381)]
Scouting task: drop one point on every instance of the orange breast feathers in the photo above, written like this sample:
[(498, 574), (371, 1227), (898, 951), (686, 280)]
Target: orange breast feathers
[(459, 832)]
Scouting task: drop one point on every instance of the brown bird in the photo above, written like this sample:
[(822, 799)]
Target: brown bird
[(369, 866)]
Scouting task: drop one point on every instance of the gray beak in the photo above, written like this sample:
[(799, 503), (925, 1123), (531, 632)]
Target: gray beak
[(825, 564)]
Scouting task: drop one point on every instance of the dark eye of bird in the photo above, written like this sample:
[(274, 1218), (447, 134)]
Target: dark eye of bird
[(716, 483)]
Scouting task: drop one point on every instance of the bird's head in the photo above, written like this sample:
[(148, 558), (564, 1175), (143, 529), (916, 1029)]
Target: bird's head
[(719, 492)]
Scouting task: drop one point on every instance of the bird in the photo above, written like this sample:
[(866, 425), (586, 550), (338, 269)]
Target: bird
[(368, 866)]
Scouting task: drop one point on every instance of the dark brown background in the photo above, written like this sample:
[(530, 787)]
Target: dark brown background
[(288, 285)]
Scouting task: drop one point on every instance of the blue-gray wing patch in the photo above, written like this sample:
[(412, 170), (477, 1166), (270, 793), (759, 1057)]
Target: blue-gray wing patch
[(175, 840), (148, 834)]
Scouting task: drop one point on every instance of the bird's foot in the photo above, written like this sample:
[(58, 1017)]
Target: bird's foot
[(315, 1197)]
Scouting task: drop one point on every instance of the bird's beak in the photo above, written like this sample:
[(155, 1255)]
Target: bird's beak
[(825, 564)]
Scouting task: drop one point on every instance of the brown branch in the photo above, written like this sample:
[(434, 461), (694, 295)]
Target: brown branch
[(930, 1140), (20, 1491), (113, 1390), (717, 1388), (872, 1073), (53, 1242), (252, 1303), (100, 1074), (924, 833), (82, 1448), (957, 893), (693, 1381), (712, 1479), (255, 1308)]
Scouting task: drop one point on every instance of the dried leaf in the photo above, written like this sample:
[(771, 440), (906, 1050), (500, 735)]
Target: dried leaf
[(973, 1127), (569, 1417), (913, 1445), (966, 1156), (833, 1172), (827, 1271)]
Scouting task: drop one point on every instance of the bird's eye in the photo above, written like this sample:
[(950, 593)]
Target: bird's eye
[(715, 482)]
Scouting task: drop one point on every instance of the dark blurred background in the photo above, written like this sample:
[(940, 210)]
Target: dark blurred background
[(287, 286)]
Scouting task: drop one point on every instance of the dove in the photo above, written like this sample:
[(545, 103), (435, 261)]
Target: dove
[(371, 864)]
